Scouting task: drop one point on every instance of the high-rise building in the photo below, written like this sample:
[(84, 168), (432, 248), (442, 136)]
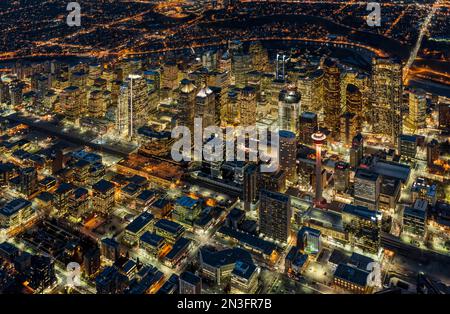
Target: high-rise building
[(444, 116), (281, 66), (415, 219), (288, 154), (187, 104), (356, 151), (331, 96), (260, 57), (319, 139), (367, 188), (386, 98), (275, 215), (433, 152), (289, 111), (169, 78), (103, 199), (98, 103), (205, 106), (133, 106), (210, 60), (417, 102), (362, 83), (247, 107), (407, 146), (28, 181), (341, 176), (250, 187), (308, 125), (240, 66), (363, 226), (354, 101), (350, 126), (72, 102), (190, 283)]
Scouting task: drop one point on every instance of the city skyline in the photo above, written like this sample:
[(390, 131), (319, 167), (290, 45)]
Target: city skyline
[(224, 147)]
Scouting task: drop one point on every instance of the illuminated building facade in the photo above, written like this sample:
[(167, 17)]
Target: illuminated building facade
[(387, 95), (275, 215)]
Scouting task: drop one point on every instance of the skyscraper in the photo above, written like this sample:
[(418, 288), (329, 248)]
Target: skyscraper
[(288, 154), (205, 106), (356, 151), (275, 215), (319, 139), (186, 104), (331, 96), (289, 110), (433, 152), (417, 103), (247, 107), (308, 125), (386, 101)]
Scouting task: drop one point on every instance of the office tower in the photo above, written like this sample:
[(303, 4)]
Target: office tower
[(386, 101), (415, 219), (103, 197), (349, 127), (319, 139), (210, 60), (281, 64), (317, 103), (250, 186), (341, 176), (433, 152), (304, 88), (308, 240), (260, 57), (225, 63), (95, 72), (169, 78), (361, 82), (272, 181), (289, 111), (16, 88), (288, 154), (132, 109), (444, 116), (363, 226), (407, 146), (153, 78), (367, 188), (273, 95), (247, 107), (417, 103), (28, 181), (205, 107), (331, 96), (71, 100), (308, 125), (356, 151), (218, 105), (354, 101), (122, 112), (275, 215), (4, 93), (240, 66), (187, 104), (186, 210), (190, 283), (98, 103)]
